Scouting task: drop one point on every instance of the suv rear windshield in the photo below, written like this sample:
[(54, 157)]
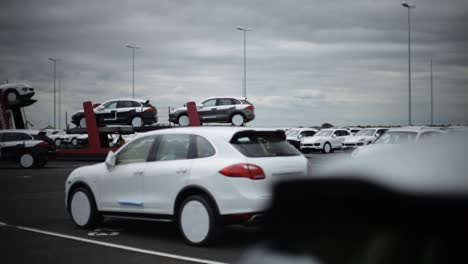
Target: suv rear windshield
[(257, 144)]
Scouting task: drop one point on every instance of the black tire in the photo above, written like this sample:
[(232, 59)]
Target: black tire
[(27, 160), (12, 92), (325, 148), (214, 227), (94, 216), (74, 142)]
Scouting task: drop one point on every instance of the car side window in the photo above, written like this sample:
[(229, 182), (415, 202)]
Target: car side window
[(209, 103), (204, 147), (9, 137), (222, 102), (136, 151), (428, 135), (345, 133), (337, 133), (135, 104), (381, 131), (235, 102), (23, 136), (173, 147), (110, 105), (124, 104), (309, 133)]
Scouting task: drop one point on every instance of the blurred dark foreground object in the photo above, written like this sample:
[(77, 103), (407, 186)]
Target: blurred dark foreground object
[(409, 205)]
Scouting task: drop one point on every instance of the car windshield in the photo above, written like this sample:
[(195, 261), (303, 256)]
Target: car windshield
[(325, 133), (257, 144), (366, 132), (396, 137), (292, 133)]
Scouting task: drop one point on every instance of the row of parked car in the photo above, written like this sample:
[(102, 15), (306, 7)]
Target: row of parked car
[(329, 140), (137, 113)]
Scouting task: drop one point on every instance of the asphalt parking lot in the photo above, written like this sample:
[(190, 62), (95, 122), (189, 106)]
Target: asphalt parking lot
[(35, 227)]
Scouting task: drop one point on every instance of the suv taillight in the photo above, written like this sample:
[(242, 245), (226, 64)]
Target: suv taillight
[(150, 110), (43, 144), (244, 170), (251, 107)]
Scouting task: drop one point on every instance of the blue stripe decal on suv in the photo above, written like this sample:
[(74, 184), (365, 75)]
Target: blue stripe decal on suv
[(128, 202)]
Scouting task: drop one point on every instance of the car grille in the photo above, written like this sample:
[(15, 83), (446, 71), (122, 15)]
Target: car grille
[(349, 144), (360, 144), (307, 145), (316, 144)]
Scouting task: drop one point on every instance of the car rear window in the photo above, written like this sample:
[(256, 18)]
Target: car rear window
[(246, 102), (258, 144)]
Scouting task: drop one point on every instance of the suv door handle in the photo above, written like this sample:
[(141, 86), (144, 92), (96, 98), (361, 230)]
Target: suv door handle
[(181, 171), (138, 172)]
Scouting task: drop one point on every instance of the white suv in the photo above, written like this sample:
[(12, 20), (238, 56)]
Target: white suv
[(200, 177), (364, 137), (325, 140)]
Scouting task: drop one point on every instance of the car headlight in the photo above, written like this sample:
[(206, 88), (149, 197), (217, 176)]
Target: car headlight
[(361, 140)]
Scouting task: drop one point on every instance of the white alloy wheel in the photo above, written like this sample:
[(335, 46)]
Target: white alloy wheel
[(80, 208), (74, 141), (83, 122), (195, 221), (184, 120), (137, 121), (58, 142), (26, 160), (327, 148), (237, 120)]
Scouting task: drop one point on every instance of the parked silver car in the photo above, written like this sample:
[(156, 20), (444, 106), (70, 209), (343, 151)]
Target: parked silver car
[(234, 110)]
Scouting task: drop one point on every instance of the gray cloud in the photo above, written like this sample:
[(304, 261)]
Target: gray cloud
[(309, 62)]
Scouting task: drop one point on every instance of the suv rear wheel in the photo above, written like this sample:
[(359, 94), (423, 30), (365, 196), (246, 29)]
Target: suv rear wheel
[(197, 221), (237, 120), (136, 121), (27, 160)]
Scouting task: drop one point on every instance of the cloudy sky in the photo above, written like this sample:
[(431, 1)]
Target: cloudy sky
[(308, 62)]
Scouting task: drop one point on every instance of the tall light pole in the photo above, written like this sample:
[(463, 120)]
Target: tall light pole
[(408, 6), (59, 106), (244, 91), (54, 60), (432, 98), (133, 68)]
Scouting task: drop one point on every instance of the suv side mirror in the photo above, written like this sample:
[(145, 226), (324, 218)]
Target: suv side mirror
[(110, 159), (199, 105), (100, 108), (377, 135), (334, 136)]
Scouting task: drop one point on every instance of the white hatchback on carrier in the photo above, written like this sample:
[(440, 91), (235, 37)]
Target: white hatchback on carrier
[(202, 178)]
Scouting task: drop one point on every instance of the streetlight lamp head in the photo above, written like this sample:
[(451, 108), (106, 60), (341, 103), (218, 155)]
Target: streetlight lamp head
[(405, 4)]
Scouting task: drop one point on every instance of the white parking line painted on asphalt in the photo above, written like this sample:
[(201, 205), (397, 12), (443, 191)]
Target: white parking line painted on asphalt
[(128, 248)]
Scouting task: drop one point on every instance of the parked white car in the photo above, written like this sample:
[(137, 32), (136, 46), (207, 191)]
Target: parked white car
[(55, 135), (68, 139), (295, 135), (325, 140), (363, 137), (199, 177), (402, 135)]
